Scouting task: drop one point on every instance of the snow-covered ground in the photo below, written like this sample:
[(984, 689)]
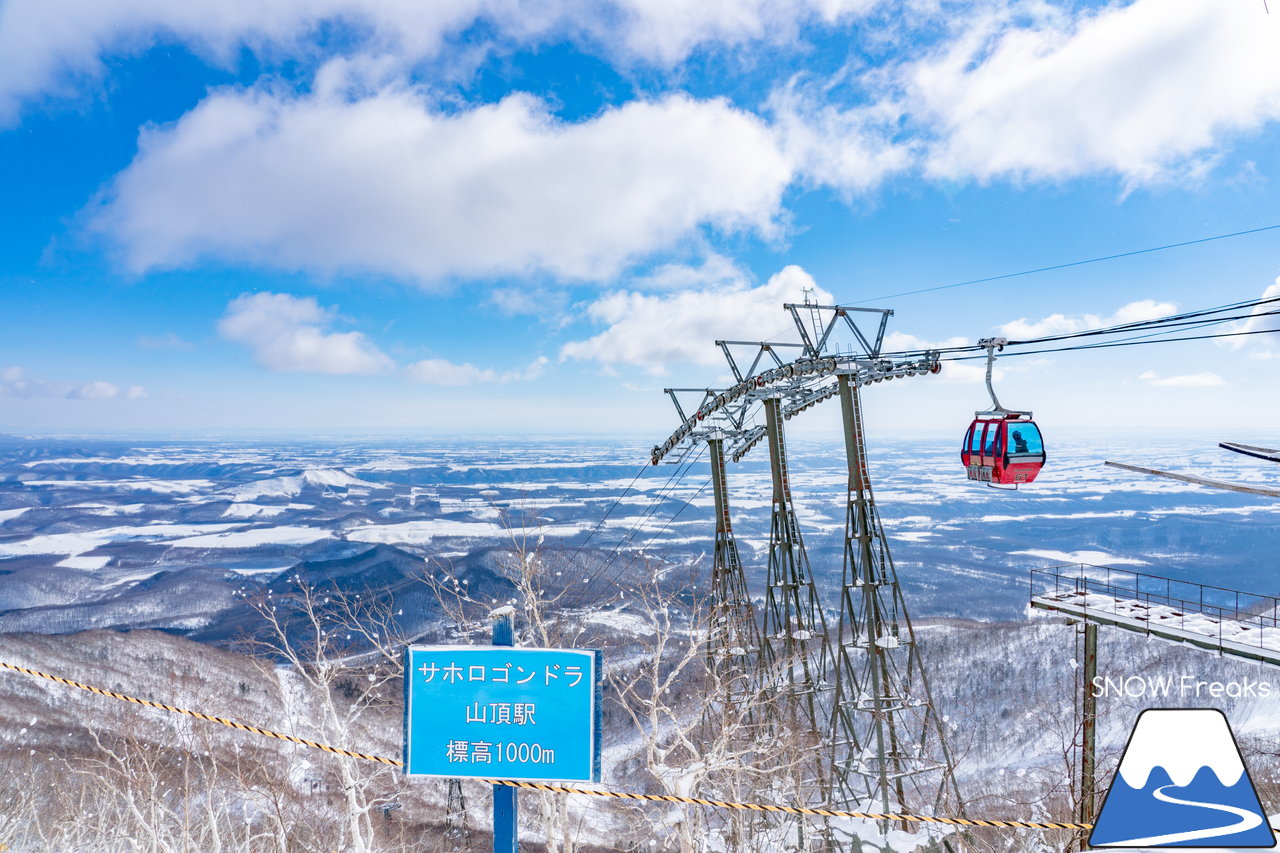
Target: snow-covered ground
[(961, 549), (174, 535)]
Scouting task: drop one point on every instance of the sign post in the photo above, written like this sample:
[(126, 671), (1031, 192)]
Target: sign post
[(506, 819), (503, 712)]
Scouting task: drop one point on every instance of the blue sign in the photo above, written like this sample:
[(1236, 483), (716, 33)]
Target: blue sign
[(502, 712)]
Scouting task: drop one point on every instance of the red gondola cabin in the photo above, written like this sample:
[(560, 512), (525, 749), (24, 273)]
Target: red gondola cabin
[(1004, 450)]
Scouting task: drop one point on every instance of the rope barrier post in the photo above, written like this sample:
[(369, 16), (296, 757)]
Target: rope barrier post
[(506, 837), (1089, 724)]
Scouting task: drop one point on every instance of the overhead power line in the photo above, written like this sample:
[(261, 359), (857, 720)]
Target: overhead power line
[(1069, 264)]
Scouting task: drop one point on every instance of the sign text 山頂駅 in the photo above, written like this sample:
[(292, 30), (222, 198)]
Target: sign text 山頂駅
[(502, 712)]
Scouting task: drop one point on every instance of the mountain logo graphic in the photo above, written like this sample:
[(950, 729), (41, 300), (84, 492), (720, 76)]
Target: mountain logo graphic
[(1182, 783)]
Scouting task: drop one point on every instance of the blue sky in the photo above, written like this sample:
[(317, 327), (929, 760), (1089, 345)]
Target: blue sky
[(494, 216)]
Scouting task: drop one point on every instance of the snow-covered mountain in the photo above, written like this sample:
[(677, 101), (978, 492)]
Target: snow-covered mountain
[(179, 536), (82, 521)]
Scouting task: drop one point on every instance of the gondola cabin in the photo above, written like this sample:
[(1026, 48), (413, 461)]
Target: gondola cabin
[(1003, 449)]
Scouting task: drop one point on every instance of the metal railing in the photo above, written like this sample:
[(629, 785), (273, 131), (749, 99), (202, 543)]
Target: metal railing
[(1125, 593)]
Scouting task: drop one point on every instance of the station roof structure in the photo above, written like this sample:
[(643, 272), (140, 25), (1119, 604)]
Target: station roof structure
[(1227, 621)]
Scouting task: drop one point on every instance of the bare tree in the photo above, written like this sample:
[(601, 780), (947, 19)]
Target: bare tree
[(337, 665)]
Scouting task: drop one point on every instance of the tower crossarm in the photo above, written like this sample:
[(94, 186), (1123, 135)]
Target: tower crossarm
[(816, 328), (801, 383), (764, 352), (726, 421)]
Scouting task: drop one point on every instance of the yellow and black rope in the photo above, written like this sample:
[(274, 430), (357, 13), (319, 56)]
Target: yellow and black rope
[(558, 789), (173, 709)]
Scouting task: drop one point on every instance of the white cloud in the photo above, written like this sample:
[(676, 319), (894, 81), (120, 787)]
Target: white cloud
[(851, 149), (535, 369), (439, 371), (656, 330), (58, 46), (904, 342), (167, 341), (1147, 90), (291, 334), (714, 270), (14, 382), (1260, 321), (94, 391), (544, 303), (953, 372), (387, 183), (667, 31), (1190, 380), (1060, 324)]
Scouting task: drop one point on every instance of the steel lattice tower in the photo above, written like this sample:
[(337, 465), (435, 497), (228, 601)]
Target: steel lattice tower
[(733, 643), (793, 649), (887, 737), (882, 742)]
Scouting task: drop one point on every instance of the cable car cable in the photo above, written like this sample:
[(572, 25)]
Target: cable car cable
[(1163, 322), (616, 503), (663, 493), (1129, 343), (674, 481), (686, 505), (645, 547), (1185, 326), (588, 585), (1171, 321), (1069, 264)]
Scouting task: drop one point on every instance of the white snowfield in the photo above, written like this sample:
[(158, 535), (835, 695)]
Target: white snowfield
[(422, 532), (72, 544), (85, 564), (288, 487), (110, 509), (247, 510), (228, 535), (1094, 558), (7, 514), (176, 458), (144, 484), (254, 537)]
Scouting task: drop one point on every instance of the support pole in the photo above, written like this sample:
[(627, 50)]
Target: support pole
[(734, 639), (455, 820), (794, 643), (1089, 724), (794, 646), (506, 837), (885, 729)]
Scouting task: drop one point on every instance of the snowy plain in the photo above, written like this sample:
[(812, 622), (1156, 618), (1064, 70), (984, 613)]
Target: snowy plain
[(98, 533)]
